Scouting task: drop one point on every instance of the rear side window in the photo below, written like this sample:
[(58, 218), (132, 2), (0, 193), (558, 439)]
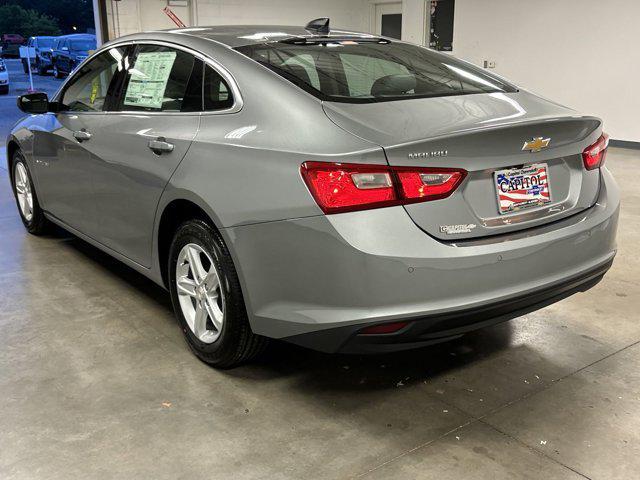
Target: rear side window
[(372, 70), (217, 94), (207, 90), (158, 80), (89, 87)]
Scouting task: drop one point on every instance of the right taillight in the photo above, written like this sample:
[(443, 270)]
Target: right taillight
[(345, 187), (422, 184), (594, 155)]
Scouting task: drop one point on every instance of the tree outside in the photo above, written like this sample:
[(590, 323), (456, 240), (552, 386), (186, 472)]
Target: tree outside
[(45, 17)]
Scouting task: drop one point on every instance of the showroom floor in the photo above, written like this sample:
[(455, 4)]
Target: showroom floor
[(96, 382)]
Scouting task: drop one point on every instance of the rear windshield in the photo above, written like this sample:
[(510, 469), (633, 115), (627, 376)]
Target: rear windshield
[(372, 71)]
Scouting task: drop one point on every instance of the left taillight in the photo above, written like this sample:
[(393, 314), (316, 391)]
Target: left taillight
[(594, 155), (345, 187)]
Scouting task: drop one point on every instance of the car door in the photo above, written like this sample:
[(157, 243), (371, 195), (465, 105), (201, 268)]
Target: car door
[(65, 150), (142, 142), (63, 56)]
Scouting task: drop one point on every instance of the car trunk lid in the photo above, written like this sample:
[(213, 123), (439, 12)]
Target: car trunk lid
[(482, 134)]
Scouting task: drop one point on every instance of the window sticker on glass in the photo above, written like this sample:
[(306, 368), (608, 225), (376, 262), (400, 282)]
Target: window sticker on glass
[(149, 78)]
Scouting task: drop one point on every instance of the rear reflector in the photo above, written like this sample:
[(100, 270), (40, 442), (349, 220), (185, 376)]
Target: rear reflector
[(594, 155), (384, 328), (345, 187)]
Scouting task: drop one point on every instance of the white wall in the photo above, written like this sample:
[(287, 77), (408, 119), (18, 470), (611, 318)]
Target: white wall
[(582, 53), (140, 15), (347, 14)]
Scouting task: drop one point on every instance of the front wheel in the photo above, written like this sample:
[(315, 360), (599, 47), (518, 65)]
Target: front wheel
[(41, 69), (28, 206), (207, 298), (56, 72)]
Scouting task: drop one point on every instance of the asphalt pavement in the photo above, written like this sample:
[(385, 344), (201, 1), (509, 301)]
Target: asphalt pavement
[(18, 85)]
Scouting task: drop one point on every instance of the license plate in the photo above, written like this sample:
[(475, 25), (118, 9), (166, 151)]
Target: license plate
[(520, 188)]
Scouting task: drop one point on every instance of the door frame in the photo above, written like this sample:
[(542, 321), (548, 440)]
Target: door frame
[(424, 14), (373, 17)]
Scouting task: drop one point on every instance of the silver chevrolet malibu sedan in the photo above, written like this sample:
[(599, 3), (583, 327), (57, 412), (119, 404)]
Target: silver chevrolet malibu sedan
[(342, 191)]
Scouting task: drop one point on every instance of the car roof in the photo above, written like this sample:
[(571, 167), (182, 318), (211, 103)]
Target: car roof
[(79, 36), (241, 35)]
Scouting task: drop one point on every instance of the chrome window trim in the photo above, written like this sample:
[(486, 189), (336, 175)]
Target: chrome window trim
[(238, 102)]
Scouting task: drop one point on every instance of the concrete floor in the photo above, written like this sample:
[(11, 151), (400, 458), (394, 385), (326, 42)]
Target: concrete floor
[(96, 382)]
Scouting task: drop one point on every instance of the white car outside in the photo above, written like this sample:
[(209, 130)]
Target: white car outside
[(4, 78)]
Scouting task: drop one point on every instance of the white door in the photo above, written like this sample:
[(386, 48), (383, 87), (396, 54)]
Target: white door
[(389, 20)]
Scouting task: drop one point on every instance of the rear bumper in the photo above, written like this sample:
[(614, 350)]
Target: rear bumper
[(317, 281), (447, 326)]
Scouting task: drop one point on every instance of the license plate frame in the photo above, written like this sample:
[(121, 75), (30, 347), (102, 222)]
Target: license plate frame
[(522, 188)]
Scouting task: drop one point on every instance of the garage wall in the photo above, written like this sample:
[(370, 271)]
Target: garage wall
[(348, 14), (130, 16), (582, 53)]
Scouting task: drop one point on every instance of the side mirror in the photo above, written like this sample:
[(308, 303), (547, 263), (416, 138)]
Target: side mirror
[(34, 103), (65, 49)]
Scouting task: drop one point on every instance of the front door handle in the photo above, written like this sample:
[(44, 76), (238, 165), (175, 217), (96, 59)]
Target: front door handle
[(82, 135), (160, 146)]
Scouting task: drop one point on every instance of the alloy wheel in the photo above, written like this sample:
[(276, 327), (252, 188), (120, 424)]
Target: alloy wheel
[(200, 293), (23, 191)]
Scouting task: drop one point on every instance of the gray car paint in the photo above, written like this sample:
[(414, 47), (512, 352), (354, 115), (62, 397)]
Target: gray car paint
[(63, 167), (481, 133), (300, 270), (378, 265), (129, 178)]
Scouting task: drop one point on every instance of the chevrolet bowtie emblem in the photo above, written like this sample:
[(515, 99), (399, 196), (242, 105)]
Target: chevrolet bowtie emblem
[(537, 144)]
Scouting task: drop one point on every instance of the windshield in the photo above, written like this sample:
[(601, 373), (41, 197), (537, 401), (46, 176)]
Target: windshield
[(372, 71), (45, 42), (83, 45)]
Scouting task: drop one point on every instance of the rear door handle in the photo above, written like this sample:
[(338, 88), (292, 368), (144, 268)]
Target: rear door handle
[(82, 135), (160, 146)]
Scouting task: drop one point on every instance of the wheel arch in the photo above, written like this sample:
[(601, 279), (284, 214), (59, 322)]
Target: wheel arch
[(175, 212), (12, 147)]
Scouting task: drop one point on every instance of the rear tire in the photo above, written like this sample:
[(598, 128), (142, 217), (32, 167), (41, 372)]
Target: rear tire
[(24, 191), (228, 341), (4, 90)]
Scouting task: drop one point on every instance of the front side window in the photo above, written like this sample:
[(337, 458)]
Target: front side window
[(88, 89), (45, 42), (158, 80), (82, 45), (372, 70)]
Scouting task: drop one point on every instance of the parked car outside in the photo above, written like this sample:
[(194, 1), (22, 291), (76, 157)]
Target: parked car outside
[(11, 43), (41, 60), (70, 51), (13, 38), (341, 191), (4, 78)]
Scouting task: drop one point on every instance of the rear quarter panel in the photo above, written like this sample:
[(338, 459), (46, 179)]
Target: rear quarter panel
[(246, 165)]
